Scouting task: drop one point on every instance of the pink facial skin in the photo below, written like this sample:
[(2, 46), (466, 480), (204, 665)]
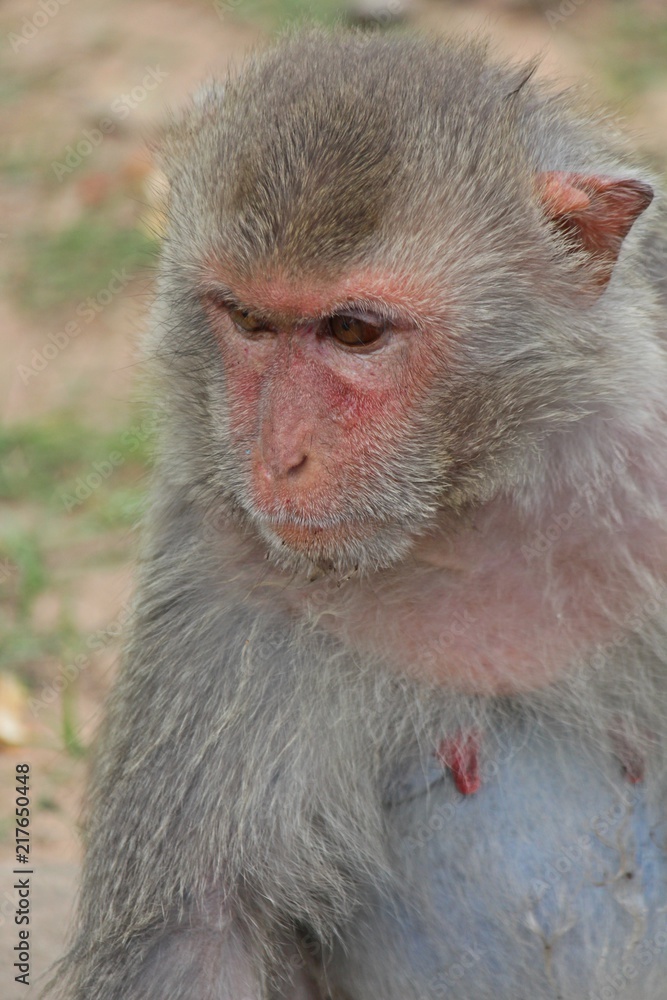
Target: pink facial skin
[(467, 609), (303, 407)]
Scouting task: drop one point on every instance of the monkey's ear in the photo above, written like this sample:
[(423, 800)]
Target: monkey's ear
[(595, 213)]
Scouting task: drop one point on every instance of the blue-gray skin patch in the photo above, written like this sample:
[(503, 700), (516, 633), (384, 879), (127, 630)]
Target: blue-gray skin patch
[(550, 883)]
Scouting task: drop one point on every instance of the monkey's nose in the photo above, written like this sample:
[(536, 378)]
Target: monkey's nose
[(297, 465), (276, 464)]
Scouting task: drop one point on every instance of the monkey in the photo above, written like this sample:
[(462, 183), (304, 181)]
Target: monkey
[(391, 719)]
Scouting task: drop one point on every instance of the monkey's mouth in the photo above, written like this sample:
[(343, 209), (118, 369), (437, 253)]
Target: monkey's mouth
[(313, 534), (338, 546), (297, 534), (333, 549)]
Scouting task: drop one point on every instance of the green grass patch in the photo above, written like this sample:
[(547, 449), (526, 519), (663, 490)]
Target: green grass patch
[(79, 261), (21, 160), (70, 729), (64, 488), (25, 553), (636, 49), (20, 646), (275, 14), (47, 803), (122, 508), (42, 461)]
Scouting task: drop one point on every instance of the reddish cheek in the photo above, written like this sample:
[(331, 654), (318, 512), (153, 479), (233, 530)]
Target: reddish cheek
[(370, 417), (244, 388), (360, 426), (348, 423), (350, 408), (363, 401)]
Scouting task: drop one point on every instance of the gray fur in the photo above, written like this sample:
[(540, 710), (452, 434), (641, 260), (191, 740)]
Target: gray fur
[(240, 813)]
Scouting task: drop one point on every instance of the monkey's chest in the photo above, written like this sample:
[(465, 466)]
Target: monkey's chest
[(549, 883)]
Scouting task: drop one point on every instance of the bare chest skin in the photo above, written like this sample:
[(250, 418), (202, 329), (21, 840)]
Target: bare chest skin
[(553, 869), (496, 607)]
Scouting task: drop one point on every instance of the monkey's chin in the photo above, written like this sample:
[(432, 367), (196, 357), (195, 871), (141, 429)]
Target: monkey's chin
[(343, 549)]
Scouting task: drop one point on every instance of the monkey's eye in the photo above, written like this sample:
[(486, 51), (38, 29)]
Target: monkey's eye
[(353, 331), (245, 321)]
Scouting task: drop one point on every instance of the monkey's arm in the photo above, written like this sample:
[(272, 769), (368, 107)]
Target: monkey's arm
[(198, 962), (188, 963), (206, 964), (159, 891)]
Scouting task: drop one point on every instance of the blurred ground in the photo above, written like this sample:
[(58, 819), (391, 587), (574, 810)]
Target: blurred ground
[(82, 83)]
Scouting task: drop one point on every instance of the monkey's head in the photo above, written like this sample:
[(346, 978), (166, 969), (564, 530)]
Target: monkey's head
[(380, 283)]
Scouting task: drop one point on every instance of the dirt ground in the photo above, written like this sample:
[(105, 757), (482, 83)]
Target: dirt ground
[(82, 84)]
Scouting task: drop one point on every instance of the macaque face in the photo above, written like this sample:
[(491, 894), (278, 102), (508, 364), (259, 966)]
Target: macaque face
[(379, 318), (323, 384)]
